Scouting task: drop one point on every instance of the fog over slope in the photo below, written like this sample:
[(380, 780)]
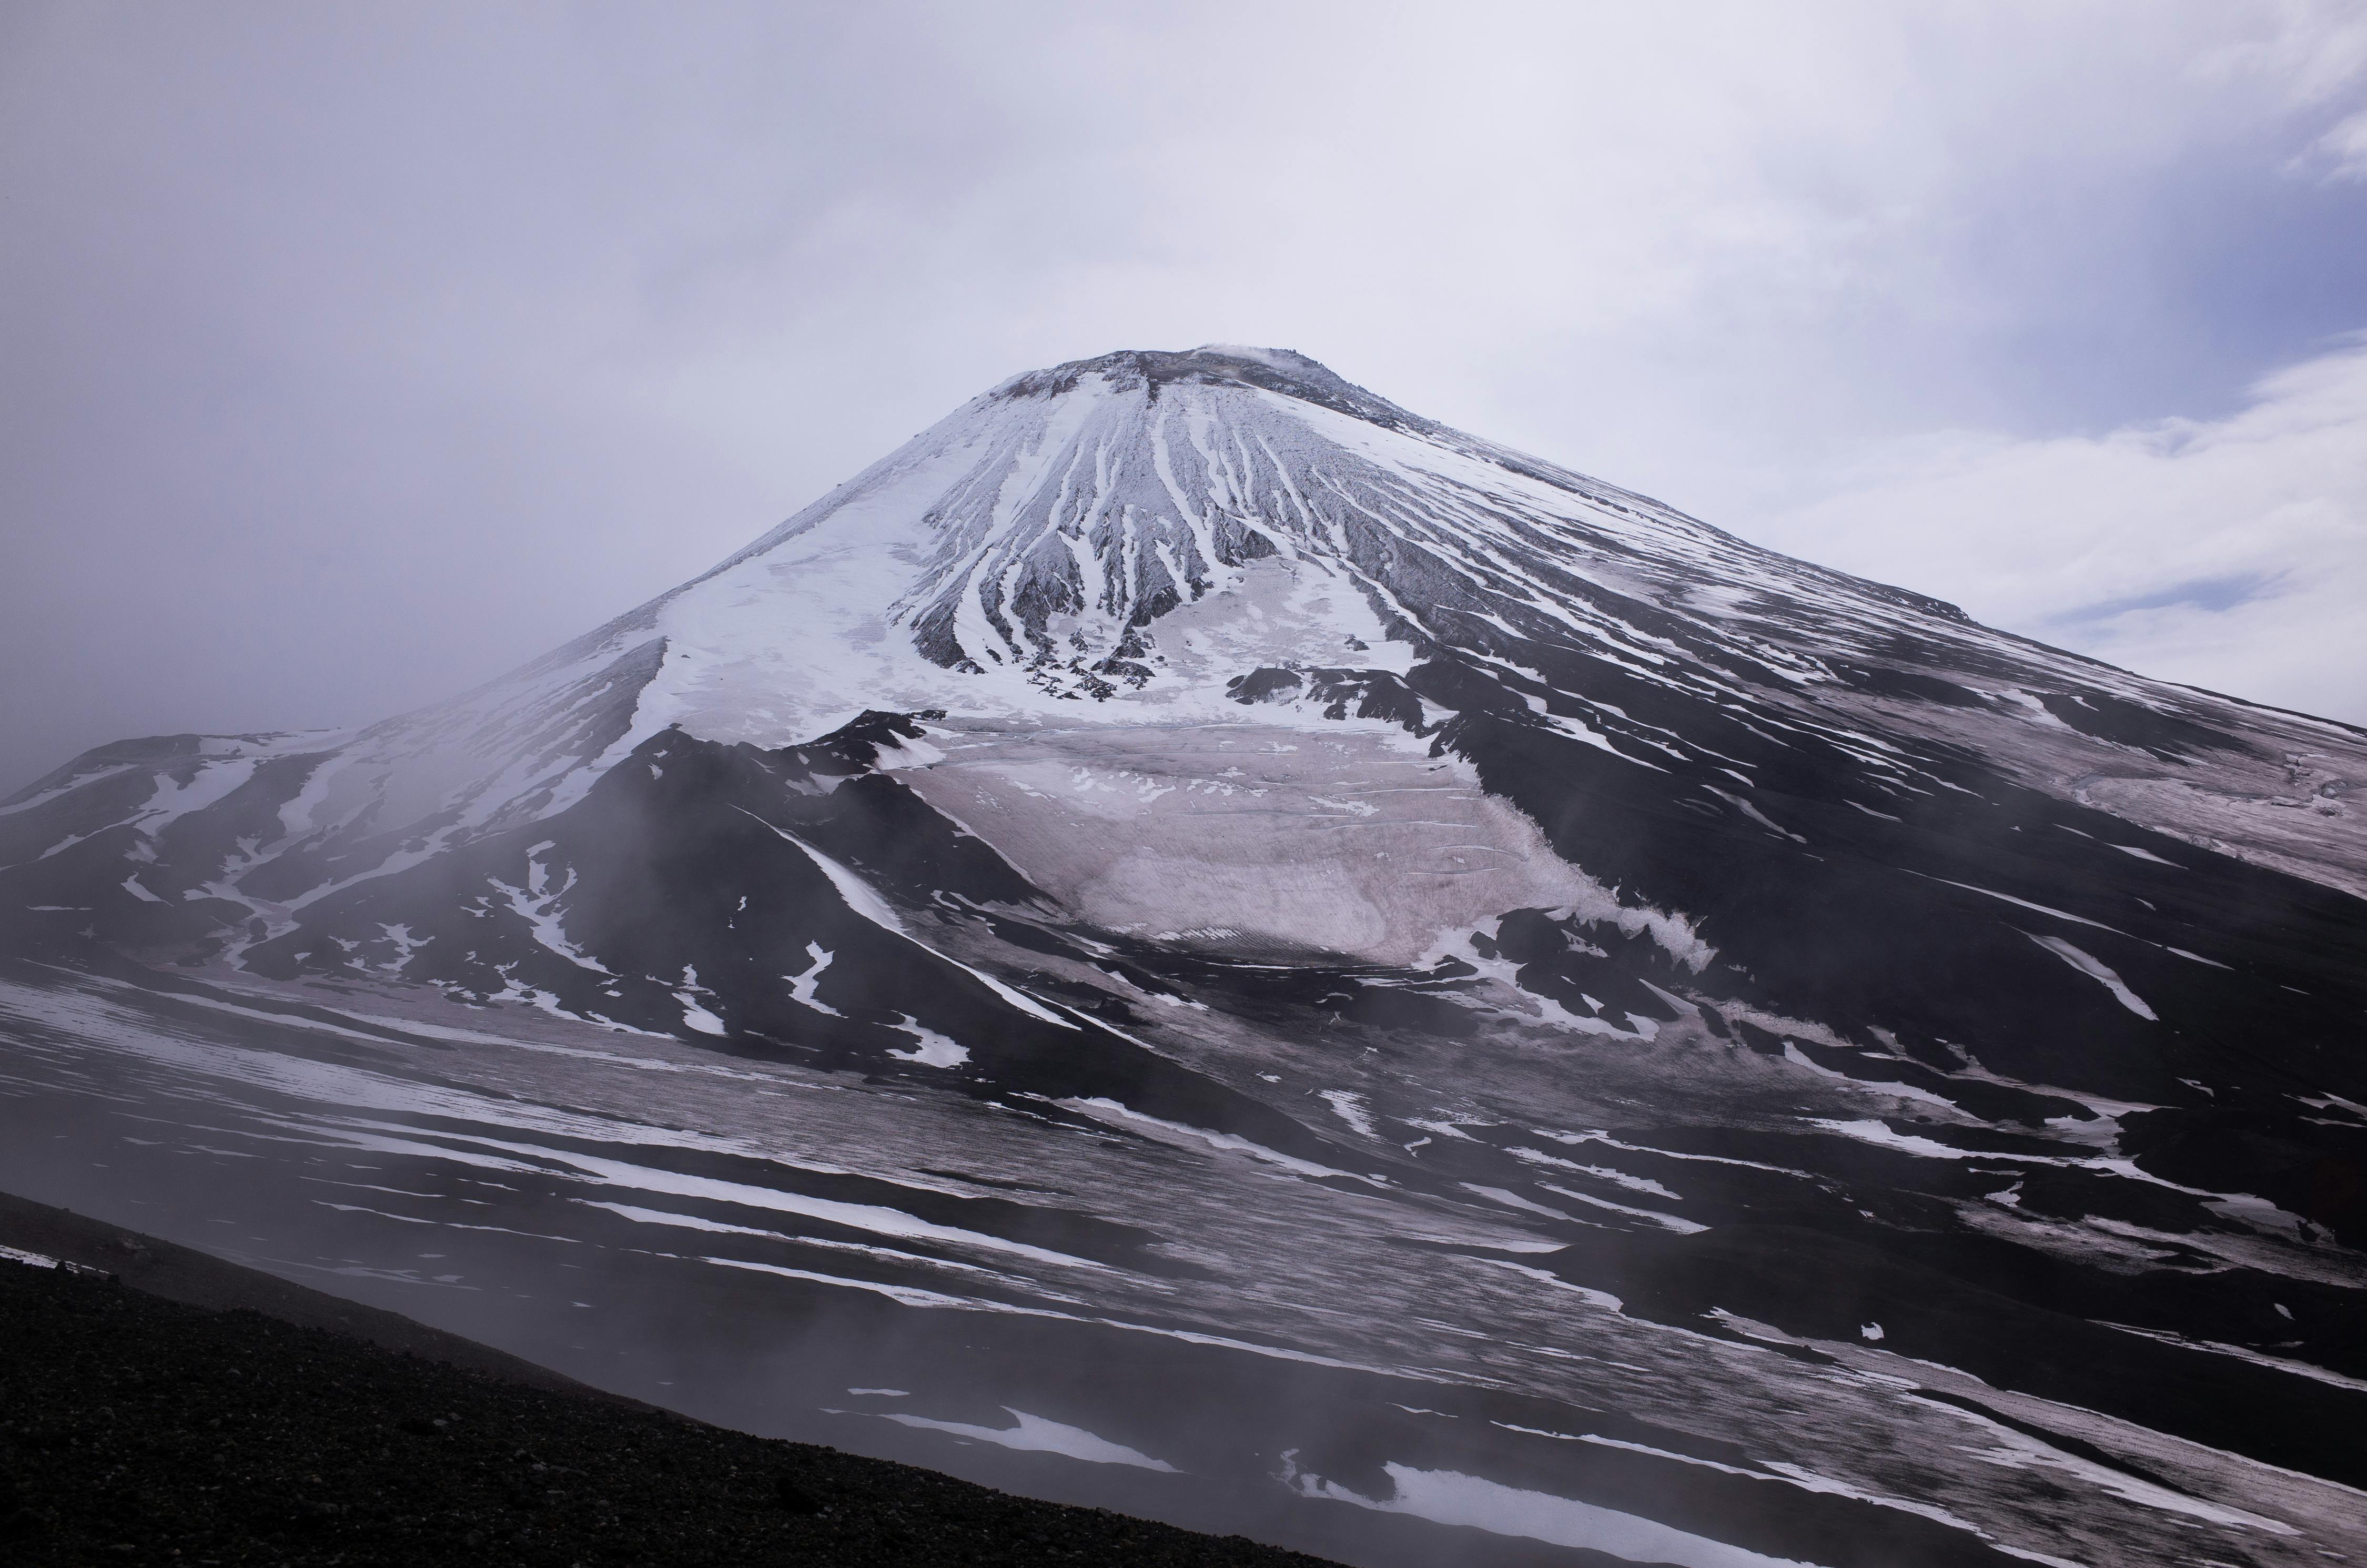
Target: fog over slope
[(1187, 868)]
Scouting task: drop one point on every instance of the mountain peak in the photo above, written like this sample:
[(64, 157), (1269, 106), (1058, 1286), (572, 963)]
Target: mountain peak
[(1283, 370)]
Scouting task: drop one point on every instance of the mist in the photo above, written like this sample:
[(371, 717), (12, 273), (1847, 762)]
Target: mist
[(356, 356)]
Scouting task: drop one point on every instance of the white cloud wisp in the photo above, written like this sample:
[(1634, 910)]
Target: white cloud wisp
[(2229, 553)]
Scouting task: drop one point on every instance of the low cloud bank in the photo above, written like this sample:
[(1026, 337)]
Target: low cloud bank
[(2227, 553)]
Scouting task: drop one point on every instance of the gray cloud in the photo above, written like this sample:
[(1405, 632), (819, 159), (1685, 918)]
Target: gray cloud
[(352, 354)]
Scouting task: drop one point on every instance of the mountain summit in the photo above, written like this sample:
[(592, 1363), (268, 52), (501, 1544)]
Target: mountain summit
[(1222, 541), (1197, 747)]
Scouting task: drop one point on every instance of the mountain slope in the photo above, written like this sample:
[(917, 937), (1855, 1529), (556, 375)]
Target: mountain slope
[(1196, 749)]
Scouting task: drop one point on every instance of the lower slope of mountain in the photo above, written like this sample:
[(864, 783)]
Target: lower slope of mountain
[(363, 1438), (1380, 978)]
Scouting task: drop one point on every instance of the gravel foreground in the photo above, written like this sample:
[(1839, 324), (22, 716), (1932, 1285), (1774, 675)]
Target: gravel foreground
[(138, 1429)]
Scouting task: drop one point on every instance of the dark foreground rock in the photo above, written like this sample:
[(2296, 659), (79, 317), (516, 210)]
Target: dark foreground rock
[(138, 1429)]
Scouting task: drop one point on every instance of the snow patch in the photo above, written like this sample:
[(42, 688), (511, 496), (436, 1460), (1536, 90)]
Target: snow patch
[(1033, 1434), (1450, 1497), (1105, 1110), (1349, 1107), (935, 1050), (695, 1015), (2094, 968), (801, 985)]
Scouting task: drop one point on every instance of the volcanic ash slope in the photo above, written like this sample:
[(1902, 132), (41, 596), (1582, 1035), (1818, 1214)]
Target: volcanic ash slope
[(1188, 846)]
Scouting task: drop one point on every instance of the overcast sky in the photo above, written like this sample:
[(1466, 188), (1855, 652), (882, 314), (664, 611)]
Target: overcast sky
[(352, 354)]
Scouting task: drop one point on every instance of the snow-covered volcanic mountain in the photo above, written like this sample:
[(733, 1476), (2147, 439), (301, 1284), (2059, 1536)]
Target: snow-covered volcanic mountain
[(1910, 1077)]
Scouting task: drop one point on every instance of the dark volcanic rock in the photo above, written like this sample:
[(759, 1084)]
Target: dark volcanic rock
[(135, 1429)]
